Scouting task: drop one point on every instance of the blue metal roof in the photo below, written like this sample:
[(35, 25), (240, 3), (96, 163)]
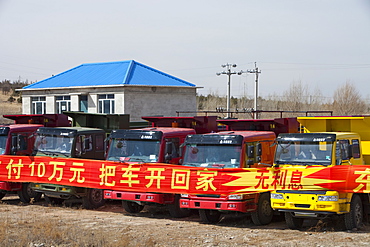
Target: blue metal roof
[(111, 73)]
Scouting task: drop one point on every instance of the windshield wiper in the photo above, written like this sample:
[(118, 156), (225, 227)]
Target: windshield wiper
[(137, 159), (50, 153), (45, 152), (190, 164)]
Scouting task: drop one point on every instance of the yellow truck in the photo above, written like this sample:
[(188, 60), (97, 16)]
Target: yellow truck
[(324, 142)]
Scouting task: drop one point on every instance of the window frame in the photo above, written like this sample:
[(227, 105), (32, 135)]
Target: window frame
[(38, 101), (106, 101), (60, 101)]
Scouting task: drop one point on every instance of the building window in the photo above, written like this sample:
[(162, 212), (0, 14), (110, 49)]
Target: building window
[(83, 103), (106, 103), (63, 103), (38, 105)]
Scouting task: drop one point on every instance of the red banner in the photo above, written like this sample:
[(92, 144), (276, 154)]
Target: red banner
[(165, 178)]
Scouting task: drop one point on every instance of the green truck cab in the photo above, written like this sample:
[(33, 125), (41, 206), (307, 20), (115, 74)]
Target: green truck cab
[(70, 142)]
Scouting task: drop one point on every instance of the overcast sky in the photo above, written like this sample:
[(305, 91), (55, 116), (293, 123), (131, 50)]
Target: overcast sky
[(322, 43)]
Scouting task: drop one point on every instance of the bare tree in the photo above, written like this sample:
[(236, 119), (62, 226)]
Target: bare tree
[(348, 101), (296, 98)]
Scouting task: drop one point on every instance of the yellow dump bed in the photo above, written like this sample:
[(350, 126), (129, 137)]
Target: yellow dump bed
[(354, 124)]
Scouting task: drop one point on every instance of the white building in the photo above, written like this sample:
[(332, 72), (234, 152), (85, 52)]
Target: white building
[(125, 87)]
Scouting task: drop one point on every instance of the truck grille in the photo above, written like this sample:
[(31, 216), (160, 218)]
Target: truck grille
[(302, 205), (213, 196)]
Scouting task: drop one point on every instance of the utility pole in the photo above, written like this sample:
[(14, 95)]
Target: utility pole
[(228, 72), (255, 71)]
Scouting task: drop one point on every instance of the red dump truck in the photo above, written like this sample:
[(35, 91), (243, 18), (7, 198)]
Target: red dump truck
[(160, 143), (18, 139), (248, 144)]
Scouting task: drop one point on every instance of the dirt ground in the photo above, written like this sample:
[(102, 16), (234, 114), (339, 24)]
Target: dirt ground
[(154, 227)]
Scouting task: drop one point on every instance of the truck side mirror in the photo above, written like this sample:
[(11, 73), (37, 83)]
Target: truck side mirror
[(86, 145), (250, 151), (168, 147), (350, 152), (250, 162), (14, 145), (258, 158), (168, 152), (259, 149)]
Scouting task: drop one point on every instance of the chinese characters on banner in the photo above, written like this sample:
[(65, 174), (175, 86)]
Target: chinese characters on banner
[(164, 178)]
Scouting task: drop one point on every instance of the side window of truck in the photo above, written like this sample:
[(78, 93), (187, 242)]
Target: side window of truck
[(342, 151), (19, 141), (175, 146), (86, 142), (99, 145), (22, 142), (356, 149), (251, 155)]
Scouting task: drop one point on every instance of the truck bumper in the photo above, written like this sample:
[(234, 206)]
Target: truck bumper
[(10, 186), (309, 203), (139, 197), (237, 206), (60, 191)]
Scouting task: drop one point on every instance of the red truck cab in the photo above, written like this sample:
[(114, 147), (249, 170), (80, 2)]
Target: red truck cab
[(159, 143), (248, 144), (18, 139), (230, 149)]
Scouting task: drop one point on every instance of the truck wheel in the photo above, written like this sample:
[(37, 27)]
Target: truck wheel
[(27, 193), (264, 213), (132, 207), (2, 194), (209, 216), (176, 211), (293, 222), (94, 199), (354, 218)]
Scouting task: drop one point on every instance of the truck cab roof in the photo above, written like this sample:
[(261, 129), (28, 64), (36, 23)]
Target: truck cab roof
[(71, 130)]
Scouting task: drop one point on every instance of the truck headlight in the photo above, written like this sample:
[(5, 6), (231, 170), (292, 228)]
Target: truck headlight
[(185, 195), (235, 197), (277, 196), (327, 198)]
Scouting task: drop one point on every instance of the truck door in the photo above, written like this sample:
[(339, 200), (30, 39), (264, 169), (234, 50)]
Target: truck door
[(21, 144), (90, 146), (346, 152), (259, 152), (172, 150)]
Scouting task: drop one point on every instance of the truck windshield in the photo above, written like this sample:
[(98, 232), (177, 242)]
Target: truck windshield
[(3, 143), (133, 150), (215, 156), (53, 145), (303, 153)]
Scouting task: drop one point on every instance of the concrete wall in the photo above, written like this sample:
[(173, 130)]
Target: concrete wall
[(50, 104), (163, 101), (75, 104), (26, 104), (137, 101)]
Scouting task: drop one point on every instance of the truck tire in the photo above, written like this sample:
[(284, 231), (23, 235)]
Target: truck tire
[(293, 222), (27, 193), (176, 211), (264, 213), (209, 216), (94, 199), (354, 218), (2, 194), (132, 207)]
